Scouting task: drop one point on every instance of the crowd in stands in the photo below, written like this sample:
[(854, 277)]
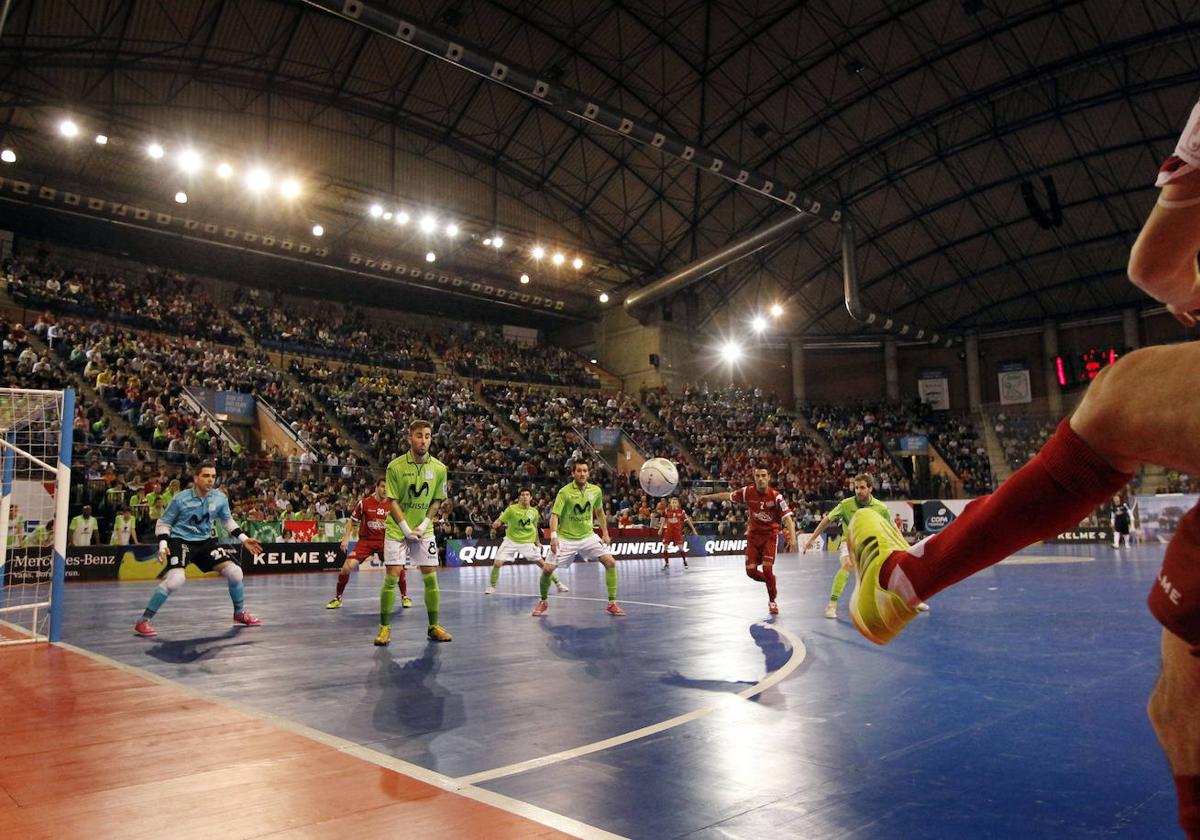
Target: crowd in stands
[(331, 330), (138, 338), (1022, 436), (486, 354), (156, 299)]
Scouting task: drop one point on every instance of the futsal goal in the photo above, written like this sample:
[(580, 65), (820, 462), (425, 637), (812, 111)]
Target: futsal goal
[(35, 486)]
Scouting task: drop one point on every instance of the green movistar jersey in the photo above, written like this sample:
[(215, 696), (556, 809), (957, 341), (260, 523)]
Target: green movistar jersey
[(574, 508), (521, 523), (415, 487), (849, 506)]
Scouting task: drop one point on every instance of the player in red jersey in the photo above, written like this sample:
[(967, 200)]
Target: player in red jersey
[(671, 531), (367, 522), (768, 510)]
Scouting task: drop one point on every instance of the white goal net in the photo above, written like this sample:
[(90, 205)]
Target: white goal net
[(35, 482)]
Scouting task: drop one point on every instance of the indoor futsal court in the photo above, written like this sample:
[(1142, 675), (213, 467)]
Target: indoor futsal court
[(694, 716), (652, 419)]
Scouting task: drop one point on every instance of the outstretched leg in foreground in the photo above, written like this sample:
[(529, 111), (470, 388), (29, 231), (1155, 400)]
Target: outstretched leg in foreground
[(1141, 410)]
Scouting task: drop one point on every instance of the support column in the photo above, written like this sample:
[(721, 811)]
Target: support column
[(1129, 324), (798, 393), (974, 386), (891, 370), (1049, 351)]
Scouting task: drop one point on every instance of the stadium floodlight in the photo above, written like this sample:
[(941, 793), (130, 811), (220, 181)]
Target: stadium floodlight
[(577, 263), (318, 230), (224, 170), (428, 224), (759, 324), (776, 310), (387, 215), (290, 188), (8, 156), (524, 279), (731, 351), (452, 230), (497, 241), (68, 128), (401, 218), (376, 211), (181, 197), (155, 151), (430, 257), (604, 297), (257, 180), (101, 139), (189, 161), (595, 362), (558, 259), (487, 241), (538, 252)]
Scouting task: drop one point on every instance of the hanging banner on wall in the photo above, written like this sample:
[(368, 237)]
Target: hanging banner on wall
[(1014, 383), (933, 388)]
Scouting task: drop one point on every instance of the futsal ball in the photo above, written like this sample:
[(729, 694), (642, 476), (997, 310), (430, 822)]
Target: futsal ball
[(658, 477)]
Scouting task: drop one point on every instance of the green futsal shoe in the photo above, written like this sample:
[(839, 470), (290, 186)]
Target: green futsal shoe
[(877, 613)]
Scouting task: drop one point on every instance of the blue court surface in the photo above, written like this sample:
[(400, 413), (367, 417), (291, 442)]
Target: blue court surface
[(1015, 708)]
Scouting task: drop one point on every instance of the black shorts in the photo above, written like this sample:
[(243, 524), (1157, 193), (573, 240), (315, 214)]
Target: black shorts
[(204, 554)]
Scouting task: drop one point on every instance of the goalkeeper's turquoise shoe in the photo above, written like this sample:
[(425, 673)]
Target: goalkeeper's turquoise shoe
[(877, 613)]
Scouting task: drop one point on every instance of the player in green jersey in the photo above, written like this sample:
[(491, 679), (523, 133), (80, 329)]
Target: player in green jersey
[(862, 499), (572, 535), (521, 540), (416, 486)]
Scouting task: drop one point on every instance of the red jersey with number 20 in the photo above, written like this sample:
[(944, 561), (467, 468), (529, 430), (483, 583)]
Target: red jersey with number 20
[(674, 518), (765, 510), (371, 516)]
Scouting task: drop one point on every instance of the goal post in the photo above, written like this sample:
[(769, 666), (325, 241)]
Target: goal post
[(35, 488)]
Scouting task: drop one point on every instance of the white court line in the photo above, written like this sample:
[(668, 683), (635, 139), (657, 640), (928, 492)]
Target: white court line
[(799, 652), (1043, 559), (513, 806), (557, 597)]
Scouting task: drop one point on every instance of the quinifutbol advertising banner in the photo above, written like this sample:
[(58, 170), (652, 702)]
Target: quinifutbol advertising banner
[(483, 552)]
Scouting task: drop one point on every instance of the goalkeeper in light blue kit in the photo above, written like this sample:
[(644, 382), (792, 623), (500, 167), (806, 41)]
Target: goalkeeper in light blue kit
[(186, 534)]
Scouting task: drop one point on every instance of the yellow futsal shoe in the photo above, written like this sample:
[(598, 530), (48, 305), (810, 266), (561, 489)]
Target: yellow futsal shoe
[(335, 604), (385, 635), (877, 613), (405, 602), (439, 634)]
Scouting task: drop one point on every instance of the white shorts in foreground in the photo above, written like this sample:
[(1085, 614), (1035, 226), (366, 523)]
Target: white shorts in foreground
[(588, 548), (412, 553)]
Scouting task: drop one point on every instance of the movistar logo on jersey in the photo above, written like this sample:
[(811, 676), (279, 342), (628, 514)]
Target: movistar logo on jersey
[(525, 523), (581, 509), (414, 490)]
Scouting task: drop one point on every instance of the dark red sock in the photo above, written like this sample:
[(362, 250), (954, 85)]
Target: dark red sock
[(755, 574), (1187, 790), (1175, 594), (1049, 495), (403, 584), (769, 574), (343, 579)]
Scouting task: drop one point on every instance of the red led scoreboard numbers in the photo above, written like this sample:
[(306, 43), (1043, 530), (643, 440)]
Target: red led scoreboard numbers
[(1082, 368)]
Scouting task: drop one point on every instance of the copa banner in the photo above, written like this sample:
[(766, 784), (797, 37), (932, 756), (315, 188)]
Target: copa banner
[(140, 562), (936, 514), (483, 552)]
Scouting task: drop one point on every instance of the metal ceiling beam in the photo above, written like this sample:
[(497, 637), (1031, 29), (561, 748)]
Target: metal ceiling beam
[(526, 82), (678, 280)]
